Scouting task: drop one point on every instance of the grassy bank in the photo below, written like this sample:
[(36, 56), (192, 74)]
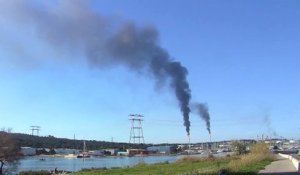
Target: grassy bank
[(247, 164), (251, 163), (180, 167)]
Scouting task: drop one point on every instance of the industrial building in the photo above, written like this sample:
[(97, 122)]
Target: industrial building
[(132, 152), (161, 149)]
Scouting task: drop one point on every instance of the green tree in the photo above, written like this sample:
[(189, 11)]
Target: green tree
[(9, 152)]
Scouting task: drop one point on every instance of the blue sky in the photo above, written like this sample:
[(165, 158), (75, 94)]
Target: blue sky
[(242, 58)]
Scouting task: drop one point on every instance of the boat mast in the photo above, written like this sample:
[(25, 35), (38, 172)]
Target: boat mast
[(74, 142), (84, 146)]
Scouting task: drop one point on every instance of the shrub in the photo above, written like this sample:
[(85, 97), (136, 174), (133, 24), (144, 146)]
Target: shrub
[(259, 152), (260, 148), (239, 148), (188, 159)]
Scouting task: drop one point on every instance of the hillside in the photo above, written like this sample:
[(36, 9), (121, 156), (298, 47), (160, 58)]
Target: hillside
[(26, 140)]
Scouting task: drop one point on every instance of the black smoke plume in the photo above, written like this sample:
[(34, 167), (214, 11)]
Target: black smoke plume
[(267, 122), (202, 111), (73, 26)]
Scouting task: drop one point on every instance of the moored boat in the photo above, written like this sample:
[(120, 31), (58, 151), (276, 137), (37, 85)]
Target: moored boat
[(84, 153), (70, 156)]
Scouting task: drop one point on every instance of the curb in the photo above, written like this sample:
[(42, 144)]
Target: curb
[(295, 162)]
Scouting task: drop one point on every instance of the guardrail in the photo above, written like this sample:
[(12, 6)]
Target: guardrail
[(295, 161)]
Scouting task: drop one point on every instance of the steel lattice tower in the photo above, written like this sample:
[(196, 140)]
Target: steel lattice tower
[(136, 131), (35, 128)]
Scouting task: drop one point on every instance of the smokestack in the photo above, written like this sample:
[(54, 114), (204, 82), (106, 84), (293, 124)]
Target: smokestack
[(104, 42), (189, 138), (202, 111)]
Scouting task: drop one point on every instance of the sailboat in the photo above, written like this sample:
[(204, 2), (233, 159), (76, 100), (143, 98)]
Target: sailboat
[(84, 153)]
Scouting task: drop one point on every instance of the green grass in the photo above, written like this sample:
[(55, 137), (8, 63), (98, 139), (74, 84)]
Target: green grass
[(248, 164), (185, 167), (178, 168), (251, 169)]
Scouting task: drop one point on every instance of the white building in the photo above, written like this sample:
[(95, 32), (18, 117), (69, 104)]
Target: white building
[(28, 151)]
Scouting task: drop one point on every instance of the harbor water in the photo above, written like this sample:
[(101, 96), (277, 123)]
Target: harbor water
[(49, 163), (37, 163)]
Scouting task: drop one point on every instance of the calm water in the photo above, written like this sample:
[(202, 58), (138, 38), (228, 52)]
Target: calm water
[(50, 163), (75, 164)]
